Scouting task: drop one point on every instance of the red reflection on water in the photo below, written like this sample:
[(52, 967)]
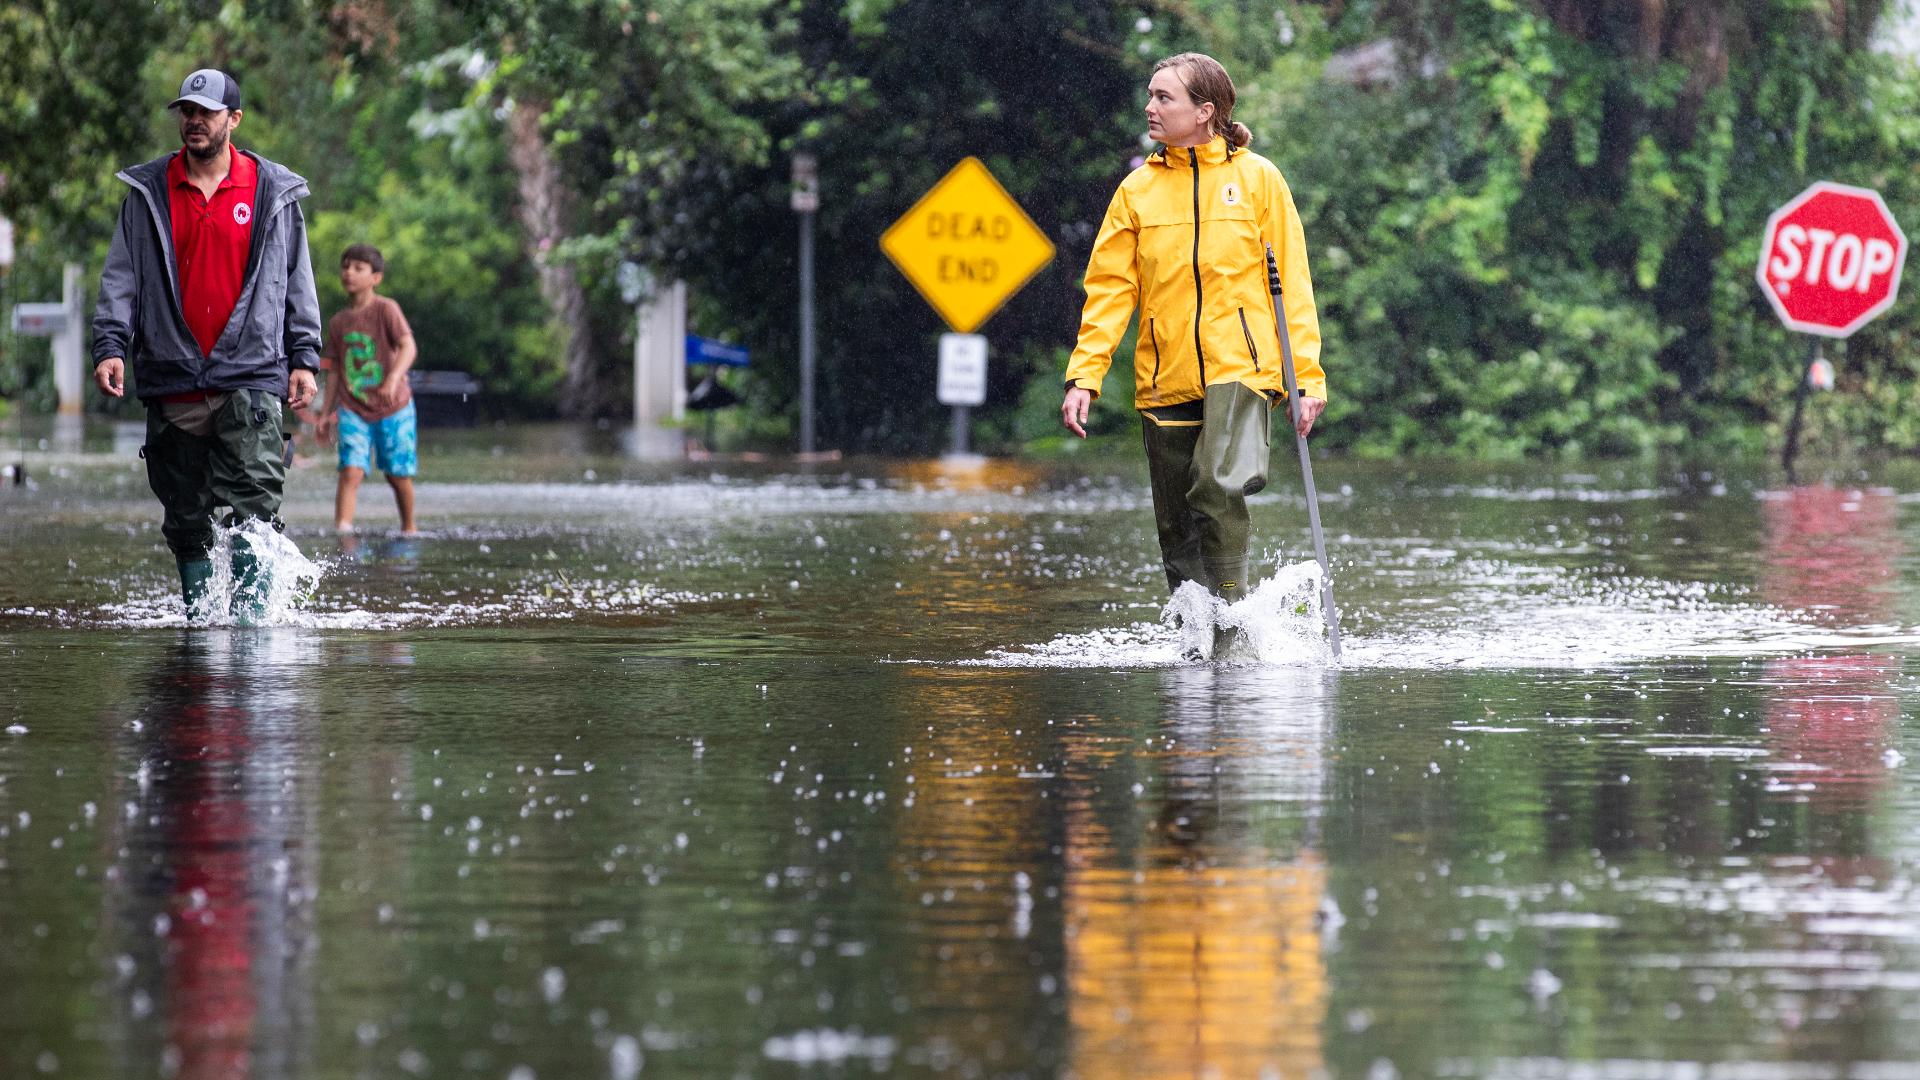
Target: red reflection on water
[(214, 876), (1832, 552), (210, 1013)]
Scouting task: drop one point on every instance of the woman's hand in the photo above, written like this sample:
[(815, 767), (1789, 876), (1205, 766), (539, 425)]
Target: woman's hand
[(1308, 410), (1073, 411)]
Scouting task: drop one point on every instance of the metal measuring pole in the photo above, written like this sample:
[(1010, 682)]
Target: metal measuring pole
[(1306, 461)]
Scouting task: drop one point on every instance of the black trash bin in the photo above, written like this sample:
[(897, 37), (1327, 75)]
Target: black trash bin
[(445, 398)]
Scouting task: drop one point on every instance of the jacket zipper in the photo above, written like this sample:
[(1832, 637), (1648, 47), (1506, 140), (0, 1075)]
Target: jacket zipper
[(1252, 349), (1154, 336), (162, 232), (1199, 298)]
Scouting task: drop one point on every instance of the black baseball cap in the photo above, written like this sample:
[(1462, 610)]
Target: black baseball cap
[(209, 88)]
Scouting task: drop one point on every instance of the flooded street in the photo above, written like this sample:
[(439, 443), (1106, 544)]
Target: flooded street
[(723, 769)]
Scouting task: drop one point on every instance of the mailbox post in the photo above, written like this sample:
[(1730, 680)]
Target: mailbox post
[(65, 323)]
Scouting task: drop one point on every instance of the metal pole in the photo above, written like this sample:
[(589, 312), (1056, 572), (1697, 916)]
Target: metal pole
[(805, 201), (961, 416), (1792, 449), (806, 333), (1306, 461)]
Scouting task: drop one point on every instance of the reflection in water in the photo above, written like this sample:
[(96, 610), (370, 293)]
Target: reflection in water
[(1833, 552), (945, 580), (1194, 944), (1093, 871), (214, 898), (975, 832), (969, 474)]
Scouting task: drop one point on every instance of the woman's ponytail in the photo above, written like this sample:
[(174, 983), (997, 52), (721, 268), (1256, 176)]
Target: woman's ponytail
[(1239, 134)]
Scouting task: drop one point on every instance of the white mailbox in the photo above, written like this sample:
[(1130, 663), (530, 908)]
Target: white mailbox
[(64, 322), (39, 320)]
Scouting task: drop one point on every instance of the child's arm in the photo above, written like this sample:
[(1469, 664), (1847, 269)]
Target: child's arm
[(328, 415), (403, 353), (321, 413)]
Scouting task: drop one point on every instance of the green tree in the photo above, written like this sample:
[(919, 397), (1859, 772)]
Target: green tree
[(1536, 229), (620, 117)]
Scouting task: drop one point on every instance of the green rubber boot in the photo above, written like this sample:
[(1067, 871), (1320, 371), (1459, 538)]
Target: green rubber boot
[(196, 580), (1227, 579), (250, 584)]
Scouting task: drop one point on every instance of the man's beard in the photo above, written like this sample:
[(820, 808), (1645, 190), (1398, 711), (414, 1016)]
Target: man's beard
[(216, 144)]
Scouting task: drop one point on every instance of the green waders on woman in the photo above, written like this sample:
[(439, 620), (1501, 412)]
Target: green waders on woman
[(1205, 458)]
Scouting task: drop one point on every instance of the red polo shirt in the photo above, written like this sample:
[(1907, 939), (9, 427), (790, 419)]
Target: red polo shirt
[(210, 240)]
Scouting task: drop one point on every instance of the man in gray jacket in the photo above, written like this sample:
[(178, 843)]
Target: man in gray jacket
[(208, 290)]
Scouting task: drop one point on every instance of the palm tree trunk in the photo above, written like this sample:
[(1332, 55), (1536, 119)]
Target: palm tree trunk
[(543, 207)]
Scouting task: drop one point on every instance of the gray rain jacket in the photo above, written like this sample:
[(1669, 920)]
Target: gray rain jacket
[(275, 325)]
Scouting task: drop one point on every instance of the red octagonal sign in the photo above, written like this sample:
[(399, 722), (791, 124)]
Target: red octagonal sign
[(1831, 259)]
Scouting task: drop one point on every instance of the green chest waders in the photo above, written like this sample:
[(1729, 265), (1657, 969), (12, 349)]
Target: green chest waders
[(1204, 458), (236, 461)]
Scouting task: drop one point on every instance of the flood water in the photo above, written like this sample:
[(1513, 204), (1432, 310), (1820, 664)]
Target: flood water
[(738, 769)]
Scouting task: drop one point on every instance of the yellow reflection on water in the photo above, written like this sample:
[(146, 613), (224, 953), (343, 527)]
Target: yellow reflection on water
[(968, 473), (1193, 939), (1194, 972)]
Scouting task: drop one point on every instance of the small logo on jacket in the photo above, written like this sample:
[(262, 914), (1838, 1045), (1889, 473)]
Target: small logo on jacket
[(1230, 194), (242, 213)]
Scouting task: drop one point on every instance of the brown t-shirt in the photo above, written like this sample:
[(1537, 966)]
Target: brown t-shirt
[(359, 347)]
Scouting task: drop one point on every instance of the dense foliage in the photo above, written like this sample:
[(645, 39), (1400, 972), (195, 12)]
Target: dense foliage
[(1533, 221), (1539, 231)]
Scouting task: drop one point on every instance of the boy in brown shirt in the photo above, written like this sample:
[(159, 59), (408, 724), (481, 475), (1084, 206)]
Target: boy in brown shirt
[(366, 352)]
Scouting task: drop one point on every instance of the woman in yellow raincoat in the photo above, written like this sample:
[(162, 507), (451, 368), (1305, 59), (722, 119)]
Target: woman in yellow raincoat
[(1184, 242)]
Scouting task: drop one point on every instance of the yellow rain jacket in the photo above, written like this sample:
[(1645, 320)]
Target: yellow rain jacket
[(1182, 241)]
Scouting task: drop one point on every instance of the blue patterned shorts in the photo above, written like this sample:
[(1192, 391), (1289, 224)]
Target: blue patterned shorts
[(391, 443)]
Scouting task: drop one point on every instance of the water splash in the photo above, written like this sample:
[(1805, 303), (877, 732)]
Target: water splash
[(289, 577), (1281, 622)]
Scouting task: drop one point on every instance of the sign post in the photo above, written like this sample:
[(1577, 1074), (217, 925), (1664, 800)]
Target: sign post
[(805, 201), (1829, 264), (967, 246), (963, 381)]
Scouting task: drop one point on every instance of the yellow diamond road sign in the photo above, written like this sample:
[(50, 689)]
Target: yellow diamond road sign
[(967, 246)]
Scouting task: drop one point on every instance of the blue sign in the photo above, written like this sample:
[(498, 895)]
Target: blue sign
[(708, 351)]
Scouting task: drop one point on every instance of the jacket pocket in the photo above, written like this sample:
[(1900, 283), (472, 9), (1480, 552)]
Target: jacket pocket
[(268, 314), (1252, 349), (1153, 335)]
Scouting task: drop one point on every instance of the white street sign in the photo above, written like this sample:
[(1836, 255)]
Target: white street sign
[(963, 369)]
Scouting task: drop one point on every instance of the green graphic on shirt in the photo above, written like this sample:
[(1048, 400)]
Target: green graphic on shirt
[(363, 368)]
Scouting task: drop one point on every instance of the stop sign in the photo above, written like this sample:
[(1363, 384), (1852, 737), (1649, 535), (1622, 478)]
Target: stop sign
[(1831, 259)]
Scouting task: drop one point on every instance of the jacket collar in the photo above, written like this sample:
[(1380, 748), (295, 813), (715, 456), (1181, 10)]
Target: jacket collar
[(277, 184), (1217, 152)]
